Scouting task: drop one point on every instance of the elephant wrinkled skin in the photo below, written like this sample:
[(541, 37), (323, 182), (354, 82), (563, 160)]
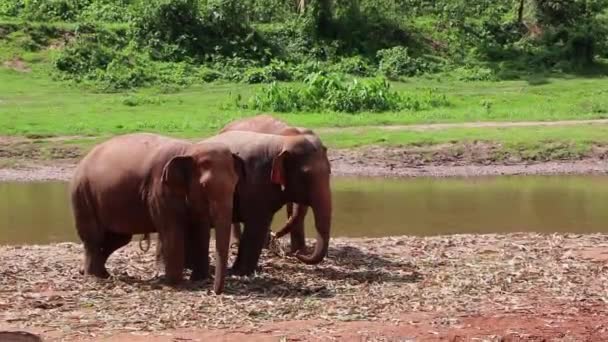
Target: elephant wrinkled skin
[(265, 123), (143, 183), (280, 169)]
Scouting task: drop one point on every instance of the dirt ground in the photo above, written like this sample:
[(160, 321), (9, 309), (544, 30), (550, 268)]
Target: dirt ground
[(19, 161), (516, 287)]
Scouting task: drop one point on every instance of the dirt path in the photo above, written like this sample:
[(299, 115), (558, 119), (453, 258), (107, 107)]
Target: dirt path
[(483, 124)]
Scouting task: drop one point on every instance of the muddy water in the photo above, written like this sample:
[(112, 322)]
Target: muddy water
[(39, 212)]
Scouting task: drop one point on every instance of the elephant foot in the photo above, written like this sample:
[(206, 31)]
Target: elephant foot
[(99, 273), (240, 272), (94, 267), (199, 275)]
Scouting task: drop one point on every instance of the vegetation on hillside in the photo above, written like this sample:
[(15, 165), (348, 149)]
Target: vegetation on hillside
[(122, 44)]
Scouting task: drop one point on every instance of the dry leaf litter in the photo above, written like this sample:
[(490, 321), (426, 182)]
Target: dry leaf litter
[(362, 279)]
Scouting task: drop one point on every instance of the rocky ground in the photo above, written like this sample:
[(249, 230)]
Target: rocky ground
[(494, 287)]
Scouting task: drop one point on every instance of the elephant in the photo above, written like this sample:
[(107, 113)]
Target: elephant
[(142, 183), (264, 123), (280, 169)]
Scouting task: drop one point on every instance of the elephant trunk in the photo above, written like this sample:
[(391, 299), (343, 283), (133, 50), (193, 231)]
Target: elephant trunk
[(295, 219), (322, 208), (223, 225)]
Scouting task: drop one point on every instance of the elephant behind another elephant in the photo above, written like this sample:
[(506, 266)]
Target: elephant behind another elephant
[(280, 169), (142, 183), (296, 213)]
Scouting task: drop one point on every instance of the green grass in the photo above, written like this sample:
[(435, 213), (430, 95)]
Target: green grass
[(512, 136), (34, 104)]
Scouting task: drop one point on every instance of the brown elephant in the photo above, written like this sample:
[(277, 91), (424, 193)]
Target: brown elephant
[(280, 169), (144, 183), (265, 123)]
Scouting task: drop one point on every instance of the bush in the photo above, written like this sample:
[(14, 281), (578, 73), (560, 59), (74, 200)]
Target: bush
[(477, 73), (209, 75), (53, 10), (83, 57), (93, 48), (138, 100), (355, 65), (180, 30), (127, 71), (108, 11), (275, 71), (396, 62), (11, 8), (170, 29), (331, 93), (24, 41)]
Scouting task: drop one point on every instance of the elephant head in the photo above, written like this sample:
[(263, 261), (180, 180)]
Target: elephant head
[(207, 175), (303, 170)]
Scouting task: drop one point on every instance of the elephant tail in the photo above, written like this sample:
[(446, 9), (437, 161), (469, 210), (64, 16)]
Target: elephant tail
[(84, 208)]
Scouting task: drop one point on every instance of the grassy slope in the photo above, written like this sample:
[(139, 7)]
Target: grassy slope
[(33, 104)]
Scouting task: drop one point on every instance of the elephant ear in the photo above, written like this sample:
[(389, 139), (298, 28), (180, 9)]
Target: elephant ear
[(178, 172), (239, 167), (277, 176)]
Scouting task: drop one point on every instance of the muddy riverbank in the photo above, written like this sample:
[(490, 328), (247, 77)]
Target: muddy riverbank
[(367, 161), (500, 287)]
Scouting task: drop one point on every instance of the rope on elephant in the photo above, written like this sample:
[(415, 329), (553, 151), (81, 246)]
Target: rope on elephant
[(145, 239)]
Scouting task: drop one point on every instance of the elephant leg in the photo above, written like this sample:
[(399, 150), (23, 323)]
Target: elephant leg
[(112, 242), (267, 240), (236, 233), (93, 264), (159, 255), (197, 251), (297, 233), (298, 238), (97, 254), (92, 234), (173, 249), (250, 248)]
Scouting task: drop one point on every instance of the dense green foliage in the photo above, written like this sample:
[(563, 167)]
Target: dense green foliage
[(122, 44), (331, 93)]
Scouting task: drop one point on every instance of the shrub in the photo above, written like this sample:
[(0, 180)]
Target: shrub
[(182, 74), (11, 8), (169, 28), (355, 65), (275, 71), (82, 57), (396, 62), (138, 100), (24, 41), (477, 73), (331, 93), (127, 70), (108, 11), (53, 10), (209, 75)]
